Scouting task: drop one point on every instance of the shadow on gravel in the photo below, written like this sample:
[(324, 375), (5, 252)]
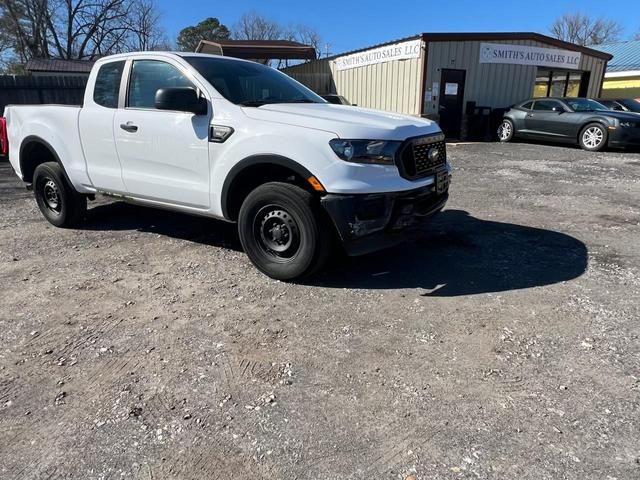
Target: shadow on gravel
[(125, 216), (463, 255), (458, 255)]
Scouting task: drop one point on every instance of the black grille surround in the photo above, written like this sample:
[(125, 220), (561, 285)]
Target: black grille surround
[(413, 160)]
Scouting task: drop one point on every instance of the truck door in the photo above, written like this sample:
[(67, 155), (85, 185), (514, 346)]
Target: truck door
[(96, 128), (164, 154)]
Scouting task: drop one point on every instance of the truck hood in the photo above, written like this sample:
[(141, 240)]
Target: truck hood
[(344, 121)]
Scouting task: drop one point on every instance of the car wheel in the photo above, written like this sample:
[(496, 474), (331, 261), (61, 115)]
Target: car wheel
[(60, 204), (505, 130), (283, 231), (593, 137)]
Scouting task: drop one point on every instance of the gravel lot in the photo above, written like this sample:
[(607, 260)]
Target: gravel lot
[(503, 345)]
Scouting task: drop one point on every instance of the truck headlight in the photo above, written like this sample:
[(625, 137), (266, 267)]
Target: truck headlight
[(379, 152)]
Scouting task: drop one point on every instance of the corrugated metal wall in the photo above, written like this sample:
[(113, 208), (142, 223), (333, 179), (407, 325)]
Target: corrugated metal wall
[(491, 84), (394, 86)]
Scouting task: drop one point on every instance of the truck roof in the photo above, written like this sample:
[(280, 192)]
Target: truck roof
[(165, 54)]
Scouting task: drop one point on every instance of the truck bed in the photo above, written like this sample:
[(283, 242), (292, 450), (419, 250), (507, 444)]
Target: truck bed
[(57, 125)]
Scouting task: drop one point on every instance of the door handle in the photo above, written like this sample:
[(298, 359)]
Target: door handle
[(129, 127)]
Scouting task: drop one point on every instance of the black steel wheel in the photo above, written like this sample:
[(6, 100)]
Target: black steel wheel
[(60, 204), (283, 231)]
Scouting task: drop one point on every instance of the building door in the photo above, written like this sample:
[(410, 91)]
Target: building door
[(451, 99)]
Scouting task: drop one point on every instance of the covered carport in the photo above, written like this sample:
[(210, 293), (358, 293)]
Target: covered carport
[(262, 51)]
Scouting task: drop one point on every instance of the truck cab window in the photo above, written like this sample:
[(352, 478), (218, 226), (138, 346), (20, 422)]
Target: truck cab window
[(147, 77), (107, 86)]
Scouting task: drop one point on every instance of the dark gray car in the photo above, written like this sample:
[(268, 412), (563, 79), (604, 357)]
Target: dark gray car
[(579, 121), (621, 104)]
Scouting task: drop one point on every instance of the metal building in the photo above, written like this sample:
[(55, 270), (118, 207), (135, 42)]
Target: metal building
[(455, 78)]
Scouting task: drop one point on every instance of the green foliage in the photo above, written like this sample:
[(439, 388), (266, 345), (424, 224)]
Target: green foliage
[(208, 29)]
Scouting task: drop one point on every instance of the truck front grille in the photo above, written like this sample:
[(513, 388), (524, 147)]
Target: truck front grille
[(413, 159)]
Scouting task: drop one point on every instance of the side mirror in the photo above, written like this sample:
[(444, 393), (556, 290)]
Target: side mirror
[(180, 99)]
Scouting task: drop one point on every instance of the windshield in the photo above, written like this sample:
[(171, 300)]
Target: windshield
[(585, 105), (251, 84)]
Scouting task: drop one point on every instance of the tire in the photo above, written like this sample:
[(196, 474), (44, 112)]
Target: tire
[(60, 204), (283, 231), (506, 131), (593, 137)]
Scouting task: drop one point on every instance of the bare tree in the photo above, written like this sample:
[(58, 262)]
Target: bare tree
[(144, 29), (253, 26), (77, 29), (25, 22), (307, 35), (584, 30)]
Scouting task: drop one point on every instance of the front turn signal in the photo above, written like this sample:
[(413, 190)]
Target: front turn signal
[(315, 184)]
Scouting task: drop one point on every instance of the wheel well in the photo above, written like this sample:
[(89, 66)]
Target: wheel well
[(253, 176), (32, 154)]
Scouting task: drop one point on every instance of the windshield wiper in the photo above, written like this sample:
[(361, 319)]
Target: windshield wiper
[(259, 103), (299, 100), (252, 103)]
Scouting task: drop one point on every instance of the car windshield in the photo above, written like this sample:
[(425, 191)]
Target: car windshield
[(251, 84), (585, 105)]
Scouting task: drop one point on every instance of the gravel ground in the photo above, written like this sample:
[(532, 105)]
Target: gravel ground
[(503, 345)]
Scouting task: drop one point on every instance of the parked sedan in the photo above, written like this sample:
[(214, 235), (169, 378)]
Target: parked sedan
[(621, 104), (581, 121)]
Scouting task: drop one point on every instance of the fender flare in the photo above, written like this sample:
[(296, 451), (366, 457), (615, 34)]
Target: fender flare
[(257, 160), (36, 139)]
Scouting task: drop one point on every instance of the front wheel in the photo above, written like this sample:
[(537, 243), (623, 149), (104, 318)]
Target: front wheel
[(593, 137), (505, 130), (283, 231)]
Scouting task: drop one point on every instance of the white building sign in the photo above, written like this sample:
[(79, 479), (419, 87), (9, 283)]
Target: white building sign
[(526, 55), (397, 51)]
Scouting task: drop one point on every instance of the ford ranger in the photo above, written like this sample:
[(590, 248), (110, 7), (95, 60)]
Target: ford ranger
[(238, 141)]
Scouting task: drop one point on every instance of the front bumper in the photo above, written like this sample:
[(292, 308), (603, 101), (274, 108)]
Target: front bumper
[(624, 137), (371, 222)]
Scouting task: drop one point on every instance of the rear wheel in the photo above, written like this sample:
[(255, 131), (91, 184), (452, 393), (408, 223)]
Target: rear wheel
[(283, 231), (60, 204), (505, 130), (593, 137)]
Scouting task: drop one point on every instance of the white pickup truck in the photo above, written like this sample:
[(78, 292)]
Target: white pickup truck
[(238, 141)]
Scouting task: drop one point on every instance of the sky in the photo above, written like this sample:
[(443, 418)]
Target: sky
[(347, 25)]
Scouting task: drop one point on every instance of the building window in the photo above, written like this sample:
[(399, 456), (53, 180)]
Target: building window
[(557, 83), (541, 88), (573, 85)]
